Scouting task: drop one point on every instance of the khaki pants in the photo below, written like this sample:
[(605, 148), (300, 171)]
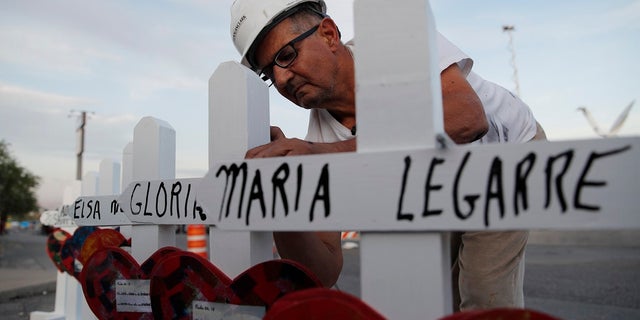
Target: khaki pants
[(488, 269)]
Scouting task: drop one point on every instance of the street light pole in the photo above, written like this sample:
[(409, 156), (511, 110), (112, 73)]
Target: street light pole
[(80, 147), (509, 29)]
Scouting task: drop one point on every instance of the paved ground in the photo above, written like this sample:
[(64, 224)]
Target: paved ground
[(27, 276), (572, 275)]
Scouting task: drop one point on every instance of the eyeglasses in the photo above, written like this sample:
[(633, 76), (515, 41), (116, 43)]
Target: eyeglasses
[(284, 57)]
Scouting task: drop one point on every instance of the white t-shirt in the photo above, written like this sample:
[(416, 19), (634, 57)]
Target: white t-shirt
[(510, 119)]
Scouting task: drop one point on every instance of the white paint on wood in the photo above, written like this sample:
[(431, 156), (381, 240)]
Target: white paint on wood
[(399, 105), (537, 185), (101, 209), (398, 96), (171, 201), (76, 305), (127, 165), (399, 274), (98, 211), (109, 175), (126, 178), (238, 120), (90, 183), (154, 158)]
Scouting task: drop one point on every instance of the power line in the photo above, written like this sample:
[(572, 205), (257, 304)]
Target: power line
[(82, 117)]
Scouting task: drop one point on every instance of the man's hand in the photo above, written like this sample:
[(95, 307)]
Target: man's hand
[(281, 146)]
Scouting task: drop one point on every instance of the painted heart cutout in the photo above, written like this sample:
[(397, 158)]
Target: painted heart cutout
[(98, 240), (500, 313), (264, 283), (71, 250), (80, 236), (182, 279), (155, 259), (102, 271), (320, 304), (55, 241)]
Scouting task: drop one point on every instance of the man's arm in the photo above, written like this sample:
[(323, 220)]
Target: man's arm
[(464, 117), (540, 134), (321, 252)]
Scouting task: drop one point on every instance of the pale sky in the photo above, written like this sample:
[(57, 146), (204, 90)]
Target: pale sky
[(123, 60)]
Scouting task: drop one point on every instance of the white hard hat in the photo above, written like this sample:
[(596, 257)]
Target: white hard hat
[(252, 19)]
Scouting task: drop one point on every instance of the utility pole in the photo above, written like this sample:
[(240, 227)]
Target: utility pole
[(509, 29), (82, 116)]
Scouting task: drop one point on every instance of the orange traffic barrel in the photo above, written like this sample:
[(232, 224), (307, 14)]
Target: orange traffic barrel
[(197, 239)]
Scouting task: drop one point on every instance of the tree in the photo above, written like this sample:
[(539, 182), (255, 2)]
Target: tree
[(17, 195)]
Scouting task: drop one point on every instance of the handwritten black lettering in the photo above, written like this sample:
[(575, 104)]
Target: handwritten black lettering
[(494, 189), (164, 199), (146, 201), (232, 171), (399, 214), (278, 186), (78, 205), (428, 187), (138, 204), (557, 172), (162, 189), (567, 156), (90, 207), (521, 182), (322, 193), (298, 186), (256, 193), (176, 188), (115, 207), (233, 192), (583, 182), (470, 199), (95, 215), (86, 209)]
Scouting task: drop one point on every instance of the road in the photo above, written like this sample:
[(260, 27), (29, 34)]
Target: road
[(579, 280)]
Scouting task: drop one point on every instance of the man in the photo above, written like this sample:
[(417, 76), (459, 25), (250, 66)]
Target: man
[(297, 47)]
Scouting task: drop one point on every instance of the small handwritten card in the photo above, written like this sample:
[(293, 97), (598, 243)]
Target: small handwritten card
[(133, 295), (205, 310)]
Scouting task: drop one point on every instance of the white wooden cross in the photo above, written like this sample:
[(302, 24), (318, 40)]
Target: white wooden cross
[(402, 189), (66, 285), (147, 161), (154, 158)]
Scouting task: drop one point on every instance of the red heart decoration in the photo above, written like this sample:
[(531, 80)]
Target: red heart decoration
[(264, 283), (55, 242), (71, 250), (320, 304), (98, 240), (500, 313), (184, 278), (104, 267)]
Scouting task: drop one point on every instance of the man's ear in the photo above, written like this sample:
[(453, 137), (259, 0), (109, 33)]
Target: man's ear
[(329, 31)]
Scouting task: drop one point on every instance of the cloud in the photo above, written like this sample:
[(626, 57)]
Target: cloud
[(107, 20), (13, 96), (42, 130), (143, 86), (34, 118)]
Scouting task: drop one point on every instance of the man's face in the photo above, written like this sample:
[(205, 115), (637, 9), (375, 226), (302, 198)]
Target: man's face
[(310, 79)]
